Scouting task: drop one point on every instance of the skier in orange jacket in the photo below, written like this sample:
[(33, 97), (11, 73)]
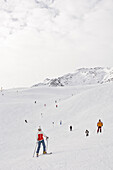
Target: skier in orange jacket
[(99, 125)]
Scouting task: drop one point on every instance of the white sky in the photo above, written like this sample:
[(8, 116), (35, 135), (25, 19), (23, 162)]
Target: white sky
[(51, 46)]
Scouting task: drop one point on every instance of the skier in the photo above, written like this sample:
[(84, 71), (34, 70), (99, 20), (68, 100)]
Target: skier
[(70, 128), (87, 132), (26, 121), (99, 125), (41, 115), (40, 139), (53, 123), (1, 89), (60, 122)]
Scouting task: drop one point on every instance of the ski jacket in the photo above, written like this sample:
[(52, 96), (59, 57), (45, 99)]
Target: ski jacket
[(99, 124), (40, 136)]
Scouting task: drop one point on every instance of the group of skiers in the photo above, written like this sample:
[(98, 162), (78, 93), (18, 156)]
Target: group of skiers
[(41, 135), (99, 127)]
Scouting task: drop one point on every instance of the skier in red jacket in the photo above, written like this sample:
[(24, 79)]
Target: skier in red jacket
[(40, 139)]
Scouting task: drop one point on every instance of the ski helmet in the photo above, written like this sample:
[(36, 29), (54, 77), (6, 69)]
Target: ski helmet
[(39, 128)]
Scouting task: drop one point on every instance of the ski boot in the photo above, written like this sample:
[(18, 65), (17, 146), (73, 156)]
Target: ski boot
[(44, 152)]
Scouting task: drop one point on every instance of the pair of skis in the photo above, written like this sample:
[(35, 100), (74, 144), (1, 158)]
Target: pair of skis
[(48, 153)]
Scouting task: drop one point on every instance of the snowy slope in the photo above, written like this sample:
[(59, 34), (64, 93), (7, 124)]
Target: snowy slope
[(81, 76), (79, 106)]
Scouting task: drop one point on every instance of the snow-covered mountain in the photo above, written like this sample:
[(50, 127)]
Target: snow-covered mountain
[(56, 35), (81, 76)]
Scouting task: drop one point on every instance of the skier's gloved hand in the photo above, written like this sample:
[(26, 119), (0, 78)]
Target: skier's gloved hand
[(47, 137)]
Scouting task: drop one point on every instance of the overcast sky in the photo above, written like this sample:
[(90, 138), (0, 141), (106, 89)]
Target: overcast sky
[(47, 42)]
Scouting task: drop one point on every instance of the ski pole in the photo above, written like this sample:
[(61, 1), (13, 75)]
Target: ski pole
[(47, 143), (35, 149)]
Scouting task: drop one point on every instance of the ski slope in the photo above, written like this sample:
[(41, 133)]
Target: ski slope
[(79, 106)]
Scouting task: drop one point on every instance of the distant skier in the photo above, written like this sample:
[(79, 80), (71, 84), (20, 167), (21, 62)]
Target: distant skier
[(40, 139), (60, 122), (41, 115), (87, 132), (1, 89), (70, 128), (53, 123), (26, 121), (99, 125)]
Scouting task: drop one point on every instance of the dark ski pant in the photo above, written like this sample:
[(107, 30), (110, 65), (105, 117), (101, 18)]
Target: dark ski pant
[(99, 129), (87, 134), (39, 144)]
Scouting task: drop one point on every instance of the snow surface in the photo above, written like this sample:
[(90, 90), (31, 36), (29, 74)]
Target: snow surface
[(79, 106)]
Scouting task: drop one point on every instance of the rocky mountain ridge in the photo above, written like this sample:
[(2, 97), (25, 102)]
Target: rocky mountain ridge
[(82, 76)]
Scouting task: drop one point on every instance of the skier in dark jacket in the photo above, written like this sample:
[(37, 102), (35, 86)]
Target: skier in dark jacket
[(87, 132)]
